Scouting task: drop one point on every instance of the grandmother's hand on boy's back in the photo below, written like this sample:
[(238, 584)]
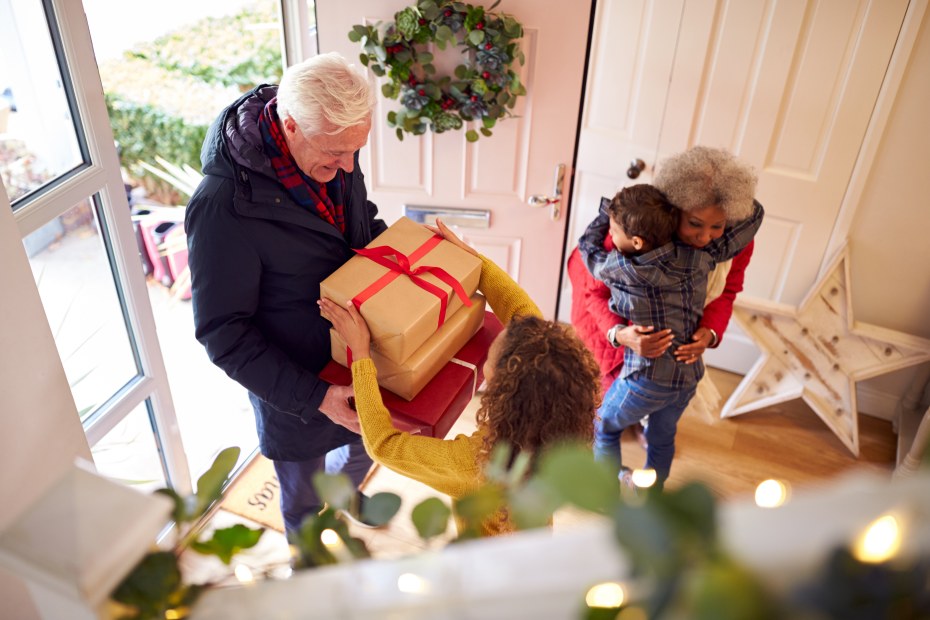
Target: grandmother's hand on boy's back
[(349, 324), (690, 353), (644, 340)]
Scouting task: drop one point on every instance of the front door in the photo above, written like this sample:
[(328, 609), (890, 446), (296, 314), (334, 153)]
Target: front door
[(498, 174), (787, 86)]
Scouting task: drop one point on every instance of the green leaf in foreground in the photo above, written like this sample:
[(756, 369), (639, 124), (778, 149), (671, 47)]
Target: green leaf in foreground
[(227, 542)]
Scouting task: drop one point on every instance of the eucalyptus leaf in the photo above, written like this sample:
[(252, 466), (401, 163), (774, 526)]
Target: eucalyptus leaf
[(473, 508), (354, 36), (151, 582), (532, 505), (210, 484), (563, 466), (521, 463), (377, 70), (461, 71), (485, 131), (721, 589), (691, 511), (476, 37), (179, 512), (647, 538), (363, 58), (495, 469), (424, 57), (392, 118), (388, 91), (430, 11), (380, 508), (429, 69), (310, 549), (226, 542), (403, 56), (400, 134), (431, 518), (444, 33), (334, 489)]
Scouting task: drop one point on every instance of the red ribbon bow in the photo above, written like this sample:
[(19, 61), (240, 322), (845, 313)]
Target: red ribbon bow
[(401, 264)]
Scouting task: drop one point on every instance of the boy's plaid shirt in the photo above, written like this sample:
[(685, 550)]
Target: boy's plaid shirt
[(665, 287)]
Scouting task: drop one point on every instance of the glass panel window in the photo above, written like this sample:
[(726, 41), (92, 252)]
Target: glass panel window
[(72, 270), (129, 453), (39, 141)]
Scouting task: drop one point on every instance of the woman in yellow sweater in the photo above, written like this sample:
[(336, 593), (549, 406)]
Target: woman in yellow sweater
[(542, 388)]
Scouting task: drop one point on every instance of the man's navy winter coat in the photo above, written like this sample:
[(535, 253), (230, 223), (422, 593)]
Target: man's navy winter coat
[(256, 261)]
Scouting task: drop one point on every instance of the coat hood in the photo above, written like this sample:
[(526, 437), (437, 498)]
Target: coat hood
[(234, 140)]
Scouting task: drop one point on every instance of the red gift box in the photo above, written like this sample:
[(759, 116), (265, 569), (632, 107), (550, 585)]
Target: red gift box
[(438, 405)]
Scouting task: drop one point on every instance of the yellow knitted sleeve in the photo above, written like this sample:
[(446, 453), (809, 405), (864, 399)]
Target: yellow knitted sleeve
[(449, 466), (504, 295)]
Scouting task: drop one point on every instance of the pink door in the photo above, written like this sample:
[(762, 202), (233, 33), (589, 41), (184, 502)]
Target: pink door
[(497, 175)]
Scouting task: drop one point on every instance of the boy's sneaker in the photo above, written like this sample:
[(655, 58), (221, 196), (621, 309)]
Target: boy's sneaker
[(626, 479)]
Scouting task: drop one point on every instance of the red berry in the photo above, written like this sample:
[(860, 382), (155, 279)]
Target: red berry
[(474, 97), (480, 25), (488, 46), (422, 21), (421, 92), (485, 75), (447, 13)]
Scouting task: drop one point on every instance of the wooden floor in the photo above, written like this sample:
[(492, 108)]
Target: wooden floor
[(732, 456), (788, 442)]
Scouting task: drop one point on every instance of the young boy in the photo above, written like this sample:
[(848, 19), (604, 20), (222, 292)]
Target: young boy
[(653, 281)]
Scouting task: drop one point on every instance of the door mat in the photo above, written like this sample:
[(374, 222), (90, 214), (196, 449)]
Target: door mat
[(256, 494)]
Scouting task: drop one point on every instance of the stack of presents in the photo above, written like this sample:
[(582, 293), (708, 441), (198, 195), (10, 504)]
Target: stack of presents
[(163, 248), (430, 330)]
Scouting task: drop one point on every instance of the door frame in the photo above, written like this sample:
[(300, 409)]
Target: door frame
[(100, 176)]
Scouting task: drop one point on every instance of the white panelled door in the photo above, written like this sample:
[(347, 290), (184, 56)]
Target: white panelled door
[(631, 57), (787, 86), (499, 173)]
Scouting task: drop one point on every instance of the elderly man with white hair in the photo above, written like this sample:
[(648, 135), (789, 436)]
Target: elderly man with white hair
[(280, 208)]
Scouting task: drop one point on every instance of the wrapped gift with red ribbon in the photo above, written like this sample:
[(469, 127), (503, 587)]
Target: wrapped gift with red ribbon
[(407, 379), (406, 284), (440, 403)]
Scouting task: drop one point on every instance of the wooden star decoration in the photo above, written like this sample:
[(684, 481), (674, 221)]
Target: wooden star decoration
[(817, 352)]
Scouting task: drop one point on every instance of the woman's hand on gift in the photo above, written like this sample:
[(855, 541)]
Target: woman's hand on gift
[(350, 325), (691, 352), (443, 231)]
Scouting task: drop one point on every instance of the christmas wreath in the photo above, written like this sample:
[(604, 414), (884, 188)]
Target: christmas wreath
[(484, 88)]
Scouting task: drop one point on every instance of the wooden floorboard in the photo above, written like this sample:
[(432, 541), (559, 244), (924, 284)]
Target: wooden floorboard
[(787, 441)]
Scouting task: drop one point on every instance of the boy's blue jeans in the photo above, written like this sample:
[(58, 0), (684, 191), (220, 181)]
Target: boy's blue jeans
[(628, 401)]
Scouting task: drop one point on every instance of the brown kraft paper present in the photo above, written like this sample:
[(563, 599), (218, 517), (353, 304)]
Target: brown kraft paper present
[(401, 315), (407, 379)]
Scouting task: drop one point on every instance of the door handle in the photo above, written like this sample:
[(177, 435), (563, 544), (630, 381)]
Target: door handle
[(555, 200), (636, 167)]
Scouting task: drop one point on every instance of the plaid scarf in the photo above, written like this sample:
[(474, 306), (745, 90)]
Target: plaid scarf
[(326, 199)]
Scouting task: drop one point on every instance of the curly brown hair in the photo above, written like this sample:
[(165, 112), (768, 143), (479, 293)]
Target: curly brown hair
[(545, 389)]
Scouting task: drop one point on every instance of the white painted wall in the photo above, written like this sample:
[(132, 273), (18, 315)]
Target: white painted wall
[(890, 234), (40, 433)]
